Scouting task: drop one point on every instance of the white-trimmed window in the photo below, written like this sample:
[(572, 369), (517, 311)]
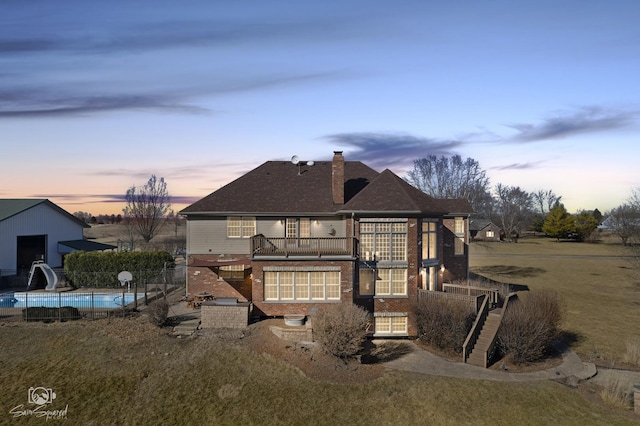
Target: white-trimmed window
[(301, 285), (490, 234), (298, 227), (391, 282), (391, 325), (241, 226), (429, 240), (298, 231), (383, 241)]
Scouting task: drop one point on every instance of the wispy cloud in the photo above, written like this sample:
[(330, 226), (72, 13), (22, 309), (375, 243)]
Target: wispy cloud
[(181, 33), (588, 119), (83, 199), (65, 101), (518, 166), (192, 171), (39, 104), (392, 150)]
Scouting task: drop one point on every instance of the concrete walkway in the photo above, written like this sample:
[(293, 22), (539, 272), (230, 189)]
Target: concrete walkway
[(187, 318), (424, 362)]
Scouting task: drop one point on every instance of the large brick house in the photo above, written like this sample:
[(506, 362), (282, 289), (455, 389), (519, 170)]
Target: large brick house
[(290, 236)]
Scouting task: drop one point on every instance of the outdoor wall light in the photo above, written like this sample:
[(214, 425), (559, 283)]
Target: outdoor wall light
[(442, 268)]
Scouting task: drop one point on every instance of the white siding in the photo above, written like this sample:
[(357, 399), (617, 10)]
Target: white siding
[(328, 228), (209, 236), (41, 219)]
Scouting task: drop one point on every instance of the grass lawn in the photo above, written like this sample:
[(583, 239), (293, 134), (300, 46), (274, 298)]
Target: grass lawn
[(602, 290), (125, 371)]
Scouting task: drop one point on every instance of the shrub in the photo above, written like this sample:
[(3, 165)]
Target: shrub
[(632, 355), (42, 313), (531, 325), (100, 269), (158, 312), (340, 329), (444, 323), (617, 393)]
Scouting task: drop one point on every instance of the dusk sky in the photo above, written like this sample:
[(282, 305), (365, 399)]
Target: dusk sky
[(97, 96)]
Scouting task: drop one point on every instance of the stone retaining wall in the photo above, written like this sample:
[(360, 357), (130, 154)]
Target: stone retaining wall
[(224, 316)]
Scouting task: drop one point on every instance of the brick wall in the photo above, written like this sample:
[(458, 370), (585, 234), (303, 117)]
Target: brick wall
[(224, 316), (457, 267), (204, 279)]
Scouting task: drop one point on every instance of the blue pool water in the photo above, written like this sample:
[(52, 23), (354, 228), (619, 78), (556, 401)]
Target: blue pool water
[(77, 300)]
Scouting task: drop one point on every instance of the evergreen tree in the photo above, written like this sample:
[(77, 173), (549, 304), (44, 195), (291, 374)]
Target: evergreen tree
[(597, 215), (558, 223), (585, 224)]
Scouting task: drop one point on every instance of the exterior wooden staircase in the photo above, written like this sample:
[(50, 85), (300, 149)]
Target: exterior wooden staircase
[(480, 344), (481, 353)]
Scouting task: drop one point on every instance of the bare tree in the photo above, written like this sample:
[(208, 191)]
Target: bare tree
[(83, 216), (545, 200), (147, 206), (452, 177), (625, 221), (512, 209)]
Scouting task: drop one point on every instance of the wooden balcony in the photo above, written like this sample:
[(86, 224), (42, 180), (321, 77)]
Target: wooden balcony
[(262, 246)]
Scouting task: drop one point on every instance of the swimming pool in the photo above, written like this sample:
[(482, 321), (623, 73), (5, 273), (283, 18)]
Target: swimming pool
[(74, 299)]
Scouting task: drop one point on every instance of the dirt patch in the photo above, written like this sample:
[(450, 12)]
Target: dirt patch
[(307, 357)]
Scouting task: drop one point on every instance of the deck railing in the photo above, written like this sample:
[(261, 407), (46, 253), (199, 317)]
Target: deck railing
[(474, 333), (322, 246), (472, 301), (492, 294)]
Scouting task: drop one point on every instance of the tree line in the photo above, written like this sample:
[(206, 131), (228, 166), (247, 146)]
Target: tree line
[(514, 209)]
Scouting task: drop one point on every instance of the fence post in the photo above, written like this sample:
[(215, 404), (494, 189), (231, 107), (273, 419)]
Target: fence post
[(59, 306), (123, 302), (135, 295), (93, 309), (26, 306)]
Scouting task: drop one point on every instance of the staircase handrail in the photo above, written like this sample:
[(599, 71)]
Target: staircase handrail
[(494, 338), (472, 337)]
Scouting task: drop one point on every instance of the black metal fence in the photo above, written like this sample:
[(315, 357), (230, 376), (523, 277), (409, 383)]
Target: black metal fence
[(67, 303)]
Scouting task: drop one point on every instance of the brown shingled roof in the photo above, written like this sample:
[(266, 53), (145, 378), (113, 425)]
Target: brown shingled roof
[(276, 187), (282, 187), (390, 193)]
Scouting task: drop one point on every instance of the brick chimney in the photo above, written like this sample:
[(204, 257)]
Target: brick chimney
[(337, 177)]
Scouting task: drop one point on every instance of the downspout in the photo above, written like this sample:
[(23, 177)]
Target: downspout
[(356, 265), (468, 238), (353, 224)]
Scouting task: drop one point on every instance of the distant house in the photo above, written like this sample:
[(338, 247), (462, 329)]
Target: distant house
[(483, 230), (290, 237), (37, 229)]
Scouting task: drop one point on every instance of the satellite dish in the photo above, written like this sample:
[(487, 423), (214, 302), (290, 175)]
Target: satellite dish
[(310, 163), (295, 159)]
